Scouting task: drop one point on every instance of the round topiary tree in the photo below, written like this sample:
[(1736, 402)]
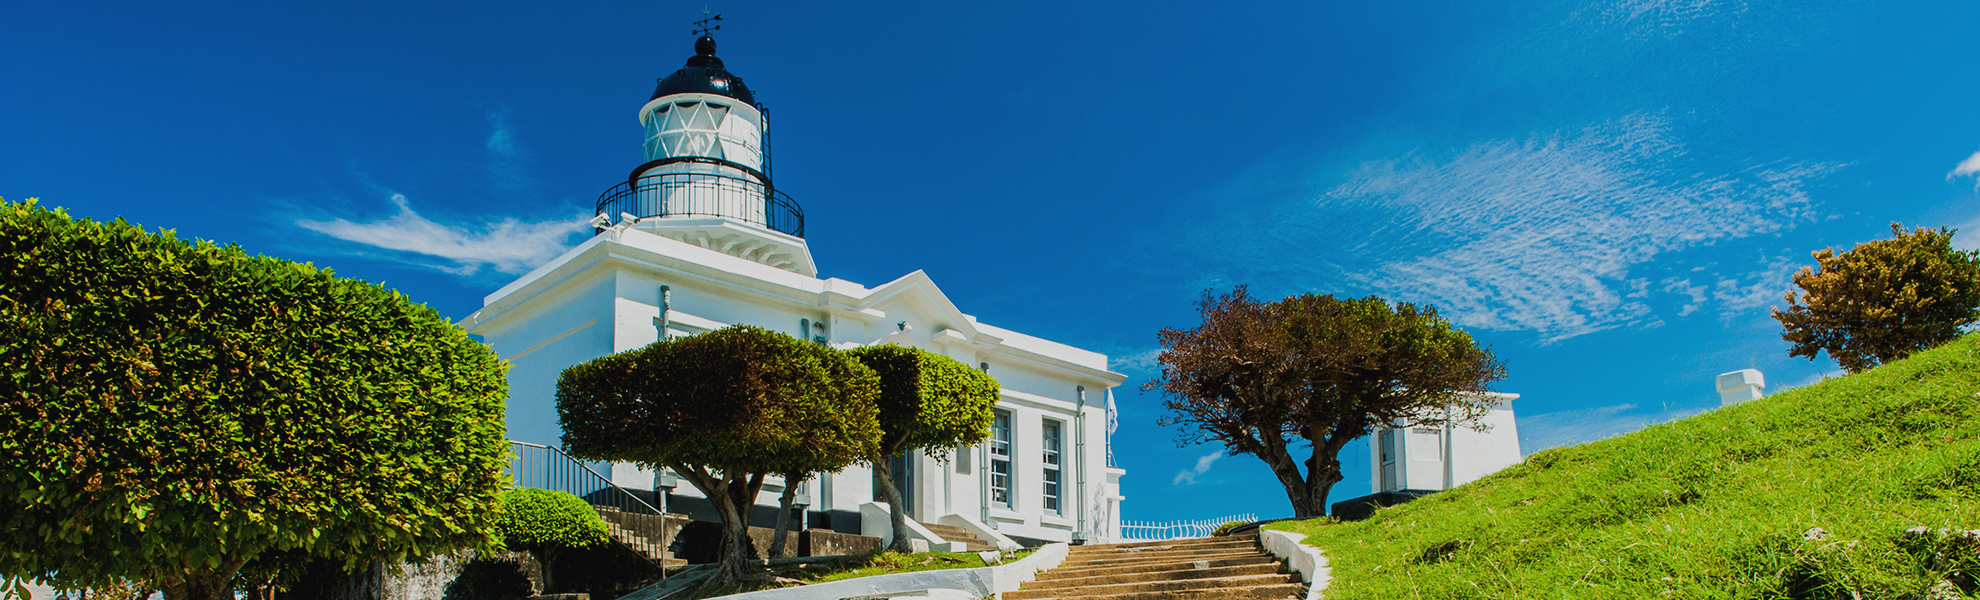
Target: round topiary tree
[(544, 523), (928, 402), (170, 411), (723, 409)]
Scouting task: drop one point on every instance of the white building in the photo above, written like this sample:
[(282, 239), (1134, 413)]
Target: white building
[(699, 238), (1738, 387), (1408, 462), (1430, 459)]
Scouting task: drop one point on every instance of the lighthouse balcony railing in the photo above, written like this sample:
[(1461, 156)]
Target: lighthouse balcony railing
[(704, 195)]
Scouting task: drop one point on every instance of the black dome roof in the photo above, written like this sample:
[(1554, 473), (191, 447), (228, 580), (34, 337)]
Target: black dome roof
[(704, 75)]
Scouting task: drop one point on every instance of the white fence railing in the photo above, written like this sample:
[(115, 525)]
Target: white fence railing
[(1176, 530)]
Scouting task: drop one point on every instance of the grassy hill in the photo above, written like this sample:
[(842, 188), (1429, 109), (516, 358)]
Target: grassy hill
[(1715, 506)]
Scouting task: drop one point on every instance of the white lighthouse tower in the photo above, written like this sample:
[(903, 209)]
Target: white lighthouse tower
[(706, 178)]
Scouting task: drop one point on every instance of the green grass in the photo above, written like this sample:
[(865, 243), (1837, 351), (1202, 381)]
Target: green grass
[(878, 563), (1713, 506)]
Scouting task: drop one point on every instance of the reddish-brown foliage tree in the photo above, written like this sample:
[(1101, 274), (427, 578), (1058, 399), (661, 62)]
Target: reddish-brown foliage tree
[(1262, 378)]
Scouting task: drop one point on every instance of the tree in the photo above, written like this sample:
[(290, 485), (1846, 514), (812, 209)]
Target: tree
[(1883, 300), (1312, 369), (723, 409), (927, 402), (544, 523), (171, 411)]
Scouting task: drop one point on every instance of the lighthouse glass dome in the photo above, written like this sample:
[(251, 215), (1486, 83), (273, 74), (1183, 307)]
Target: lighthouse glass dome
[(696, 125), (707, 153)]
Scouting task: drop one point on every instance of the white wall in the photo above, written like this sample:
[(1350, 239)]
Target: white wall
[(609, 297)]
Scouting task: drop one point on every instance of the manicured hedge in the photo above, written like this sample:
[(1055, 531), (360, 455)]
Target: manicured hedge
[(169, 410)]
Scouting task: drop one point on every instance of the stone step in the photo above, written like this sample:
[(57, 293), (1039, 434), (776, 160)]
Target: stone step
[(1277, 591), (1247, 581), (1167, 547), (1242, 561), (1134, 576), (1182, 557), (1176, 544), (1163, 551)]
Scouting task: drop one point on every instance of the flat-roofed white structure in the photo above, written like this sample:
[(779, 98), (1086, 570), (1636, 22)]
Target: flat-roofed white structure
[(1428, 459)]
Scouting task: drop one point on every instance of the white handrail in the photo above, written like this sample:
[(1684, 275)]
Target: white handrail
[(1176, 530)]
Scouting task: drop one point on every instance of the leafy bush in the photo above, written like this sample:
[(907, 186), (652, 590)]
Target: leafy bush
[(1883, 300), (1225, 529), (533, 518), (171, 410), (545, 523)]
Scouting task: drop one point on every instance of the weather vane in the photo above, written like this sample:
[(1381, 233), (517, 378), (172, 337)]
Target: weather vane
[(701, 27)]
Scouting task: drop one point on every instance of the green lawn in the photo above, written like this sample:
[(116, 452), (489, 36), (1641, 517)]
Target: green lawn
[(1714, 506)]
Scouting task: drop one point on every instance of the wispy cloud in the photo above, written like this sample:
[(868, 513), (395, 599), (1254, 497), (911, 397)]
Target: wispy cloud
[(1541, 234), (1566, 428), (1188, 476), (507, 246), (1966, 168), (508, 161), (1136, 360)]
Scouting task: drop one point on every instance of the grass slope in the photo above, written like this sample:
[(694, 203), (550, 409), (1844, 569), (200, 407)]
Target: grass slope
[(1714, 506)]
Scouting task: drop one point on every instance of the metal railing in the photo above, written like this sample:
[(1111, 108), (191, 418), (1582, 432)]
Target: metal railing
[(704, 195), (1176, 530), (632, 521)]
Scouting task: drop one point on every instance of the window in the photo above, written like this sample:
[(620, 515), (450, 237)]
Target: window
[(1000, 460), (1388, 446), (1052, 445)]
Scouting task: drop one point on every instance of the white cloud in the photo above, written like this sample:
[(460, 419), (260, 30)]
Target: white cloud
[(507, 246), (1570, 427), (1541, 234), (1188, 476), (1966, 168), (1144, 360)]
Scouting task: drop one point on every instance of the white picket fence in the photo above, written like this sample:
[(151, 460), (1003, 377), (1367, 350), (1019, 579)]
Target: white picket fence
[(1176, 530)]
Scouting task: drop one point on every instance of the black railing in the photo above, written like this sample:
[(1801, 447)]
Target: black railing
[(637, 525), (704, 195)]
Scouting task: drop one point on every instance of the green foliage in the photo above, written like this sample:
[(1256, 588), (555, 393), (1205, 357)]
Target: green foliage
[(1715, 506), (1883, 300), (170, 410), (533, 518), (723, 409), (929, 401), (741, 399), (1225, 529)]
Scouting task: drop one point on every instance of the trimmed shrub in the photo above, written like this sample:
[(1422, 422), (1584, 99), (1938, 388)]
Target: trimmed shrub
[(927, 402), (171, 410), (544, 523)]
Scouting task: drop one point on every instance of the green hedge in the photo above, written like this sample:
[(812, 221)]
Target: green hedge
[(169, 410), (533, 518)]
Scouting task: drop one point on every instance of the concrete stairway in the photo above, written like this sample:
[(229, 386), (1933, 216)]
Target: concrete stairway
[(648, 535), (958, 534), (1215, 568)]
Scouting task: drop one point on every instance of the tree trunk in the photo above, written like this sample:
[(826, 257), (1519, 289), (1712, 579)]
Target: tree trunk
[(733, 498), (204, 583), (1297, 490), (896, 505), (777, 533)]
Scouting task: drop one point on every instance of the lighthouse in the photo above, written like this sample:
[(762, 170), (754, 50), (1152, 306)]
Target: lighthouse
[(698, 237), (705, 178)]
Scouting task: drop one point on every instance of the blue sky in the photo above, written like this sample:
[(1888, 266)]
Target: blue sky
[(1609, 193)]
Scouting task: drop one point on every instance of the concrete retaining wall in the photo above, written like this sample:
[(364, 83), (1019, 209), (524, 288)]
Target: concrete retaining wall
[(1301, 558), (981, 582)]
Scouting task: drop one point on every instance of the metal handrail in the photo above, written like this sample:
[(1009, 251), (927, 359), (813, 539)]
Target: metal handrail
[(558, 471), (704, 195)]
